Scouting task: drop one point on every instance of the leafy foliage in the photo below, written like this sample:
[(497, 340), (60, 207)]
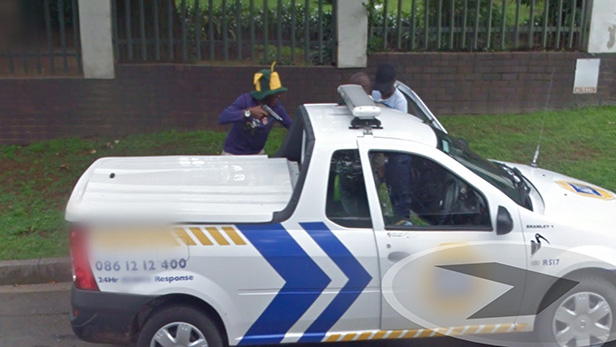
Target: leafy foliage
[(290, 20), (409, 20), (388, 25)]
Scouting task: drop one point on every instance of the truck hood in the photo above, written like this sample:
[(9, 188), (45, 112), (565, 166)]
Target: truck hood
[(182, 189), (570, 200)]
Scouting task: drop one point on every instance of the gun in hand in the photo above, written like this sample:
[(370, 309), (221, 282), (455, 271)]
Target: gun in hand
[(272, 113)]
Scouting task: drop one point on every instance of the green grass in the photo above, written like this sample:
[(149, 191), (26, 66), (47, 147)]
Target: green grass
[(579, 143), (36, 180)]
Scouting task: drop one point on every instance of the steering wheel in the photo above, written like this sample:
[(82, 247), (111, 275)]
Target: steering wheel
[(450, 201)]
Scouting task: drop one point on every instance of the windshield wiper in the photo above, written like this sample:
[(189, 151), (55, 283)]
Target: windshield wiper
[(515, 179), (518, 180), (525, 187)]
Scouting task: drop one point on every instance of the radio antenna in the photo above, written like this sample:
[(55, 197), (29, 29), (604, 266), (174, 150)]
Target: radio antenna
[(545, 110)]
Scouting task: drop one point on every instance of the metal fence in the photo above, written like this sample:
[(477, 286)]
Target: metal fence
[(475, 25), (39, 37), (288, 31)]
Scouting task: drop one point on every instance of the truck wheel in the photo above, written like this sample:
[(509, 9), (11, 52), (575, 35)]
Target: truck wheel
[(584, 316), (180, 326)]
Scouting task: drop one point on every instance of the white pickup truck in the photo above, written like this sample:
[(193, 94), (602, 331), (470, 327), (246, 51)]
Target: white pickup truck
[(386, 229)]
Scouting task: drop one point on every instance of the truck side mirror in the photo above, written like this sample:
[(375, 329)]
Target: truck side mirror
[(504, 222)]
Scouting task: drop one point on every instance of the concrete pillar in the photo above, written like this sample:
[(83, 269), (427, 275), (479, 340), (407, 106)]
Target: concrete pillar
[(602, 37), (352, 34), (96, 39)]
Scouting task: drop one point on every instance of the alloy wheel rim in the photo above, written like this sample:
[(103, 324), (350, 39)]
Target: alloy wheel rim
[(178, 334), (582, 319)]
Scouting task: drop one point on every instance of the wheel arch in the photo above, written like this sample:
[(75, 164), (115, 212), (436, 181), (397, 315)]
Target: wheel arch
[(609, 275), (545, 312), (177, 299)]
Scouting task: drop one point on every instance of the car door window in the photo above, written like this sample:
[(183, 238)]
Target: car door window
[(413, 107), (414, 110), (347, 201), (417, 108), (416, 192)]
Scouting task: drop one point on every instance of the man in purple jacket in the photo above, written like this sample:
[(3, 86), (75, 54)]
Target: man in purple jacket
[(251, 124)]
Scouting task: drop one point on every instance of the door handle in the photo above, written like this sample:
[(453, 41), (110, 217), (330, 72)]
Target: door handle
[(395, 257)]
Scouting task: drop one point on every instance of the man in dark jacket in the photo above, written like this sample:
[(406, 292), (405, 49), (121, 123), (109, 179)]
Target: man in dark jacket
[(251, 123)]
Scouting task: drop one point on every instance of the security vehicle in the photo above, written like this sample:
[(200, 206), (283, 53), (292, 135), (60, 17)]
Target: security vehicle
[(368, 224)]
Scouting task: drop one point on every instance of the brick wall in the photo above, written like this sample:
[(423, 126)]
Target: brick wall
[(153, 97), (515, 82)]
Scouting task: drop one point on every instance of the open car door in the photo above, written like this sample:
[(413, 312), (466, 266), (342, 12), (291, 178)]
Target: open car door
[(417, 107)]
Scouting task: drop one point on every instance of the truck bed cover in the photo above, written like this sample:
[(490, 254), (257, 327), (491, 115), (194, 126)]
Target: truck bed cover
[(183, 189)]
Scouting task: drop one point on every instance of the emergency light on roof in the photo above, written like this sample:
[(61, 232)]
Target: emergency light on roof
[(361, 106)]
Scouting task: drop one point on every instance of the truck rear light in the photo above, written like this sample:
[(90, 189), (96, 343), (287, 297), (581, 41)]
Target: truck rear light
[(83, 276)]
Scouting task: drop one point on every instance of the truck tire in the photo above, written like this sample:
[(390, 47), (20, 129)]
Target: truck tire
[(180, 325), (584, 316)]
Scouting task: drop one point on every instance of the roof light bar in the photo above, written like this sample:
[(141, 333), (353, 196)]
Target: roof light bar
[(361, 106)]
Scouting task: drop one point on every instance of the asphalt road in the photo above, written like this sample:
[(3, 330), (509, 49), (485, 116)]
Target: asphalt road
[(37, 315)]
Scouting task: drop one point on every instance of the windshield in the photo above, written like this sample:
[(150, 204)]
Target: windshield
[(495, 174)]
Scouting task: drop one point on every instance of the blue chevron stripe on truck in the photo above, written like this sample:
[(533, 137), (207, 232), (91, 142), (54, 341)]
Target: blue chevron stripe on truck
[(304, 282), (358, 279)]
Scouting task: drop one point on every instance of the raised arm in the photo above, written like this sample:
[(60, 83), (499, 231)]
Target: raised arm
[(286, 120), (235, 112)]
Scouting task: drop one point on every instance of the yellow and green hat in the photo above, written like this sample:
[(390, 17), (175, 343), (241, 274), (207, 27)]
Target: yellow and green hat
[(267, 82)]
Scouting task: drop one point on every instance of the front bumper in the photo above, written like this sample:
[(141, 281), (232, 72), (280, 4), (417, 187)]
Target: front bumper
[(105, 317)]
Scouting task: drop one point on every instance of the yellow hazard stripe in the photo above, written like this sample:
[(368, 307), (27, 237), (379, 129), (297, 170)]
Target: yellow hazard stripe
[(394, 334), (349, 337), (333, 338), (409, 334), (488, 329), (217, 236), (201, 236), (379, 335), (422, 333), (504, 328), (233, 235), (457, 331), (364, 336), (425, 333), (170, 237), (440, 332)]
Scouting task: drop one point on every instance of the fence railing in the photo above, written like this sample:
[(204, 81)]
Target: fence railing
[(39, 37), (472, 25), (288, 31)]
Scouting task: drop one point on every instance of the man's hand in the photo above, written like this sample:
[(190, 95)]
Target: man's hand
[(257, 112)]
